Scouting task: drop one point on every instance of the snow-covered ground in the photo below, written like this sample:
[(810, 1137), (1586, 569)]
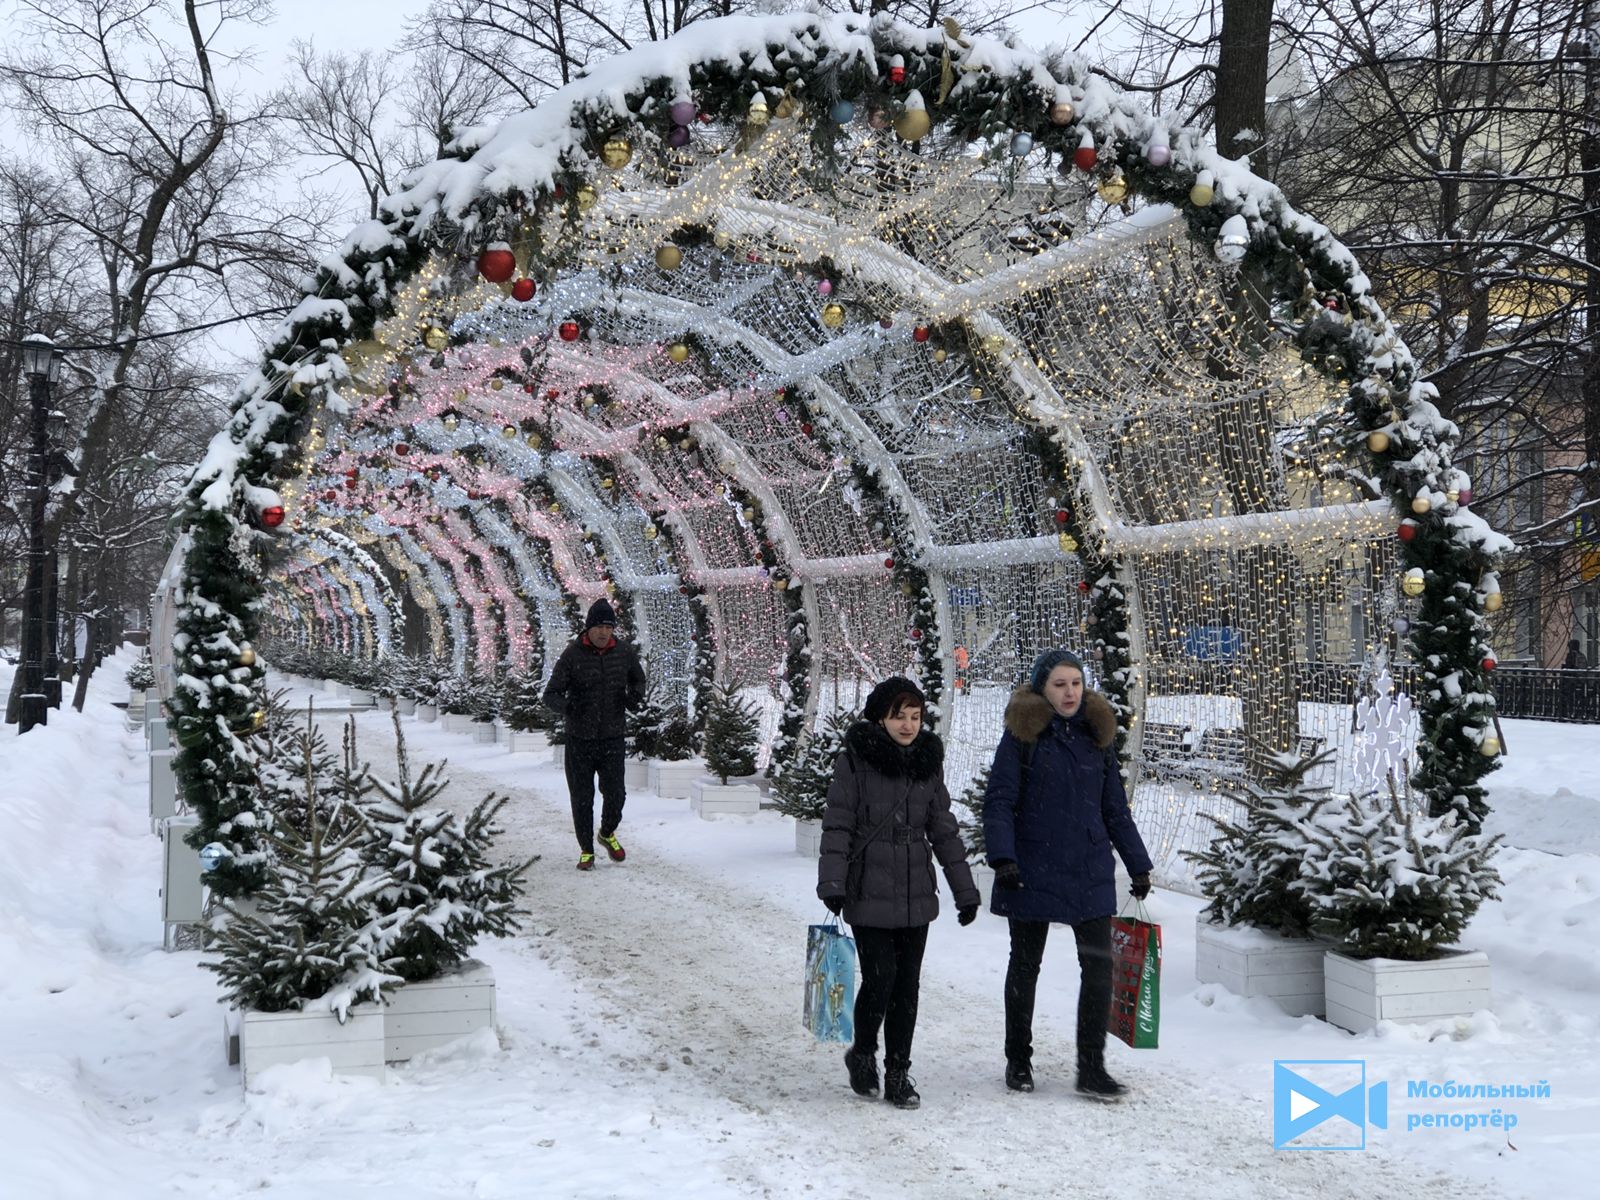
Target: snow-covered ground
[(650, 1040)]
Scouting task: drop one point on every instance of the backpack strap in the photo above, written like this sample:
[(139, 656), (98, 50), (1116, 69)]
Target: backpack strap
[(1025, 752)]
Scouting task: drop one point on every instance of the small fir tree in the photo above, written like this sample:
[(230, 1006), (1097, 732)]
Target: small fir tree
[(441, 890), (676, 742), (1396, 882), (311, 941), (732, 733), (972, 827), (646, 723), (483, 695), (802, 790), (455, 695), (523, 702), (141, 676), (1252, 871)]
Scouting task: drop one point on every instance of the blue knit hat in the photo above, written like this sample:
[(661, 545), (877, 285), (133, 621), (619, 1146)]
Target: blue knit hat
[(1049, 661)]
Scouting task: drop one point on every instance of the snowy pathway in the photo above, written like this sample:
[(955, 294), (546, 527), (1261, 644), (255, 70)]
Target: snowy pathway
[(685, 973)]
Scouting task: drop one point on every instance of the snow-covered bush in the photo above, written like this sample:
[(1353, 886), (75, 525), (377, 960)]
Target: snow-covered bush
[(646, 723), (802, 790), (141, 676), (731, 735)]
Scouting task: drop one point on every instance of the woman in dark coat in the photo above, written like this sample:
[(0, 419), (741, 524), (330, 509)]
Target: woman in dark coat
[(888, 818), (1053, 810)]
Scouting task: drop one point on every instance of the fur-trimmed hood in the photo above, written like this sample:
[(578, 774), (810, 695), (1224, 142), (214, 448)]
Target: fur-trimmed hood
[(1028, 716), (871, 744)]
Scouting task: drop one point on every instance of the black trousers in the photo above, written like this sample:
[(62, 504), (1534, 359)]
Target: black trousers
[(891, 977), (585, 759), (1094, 992)]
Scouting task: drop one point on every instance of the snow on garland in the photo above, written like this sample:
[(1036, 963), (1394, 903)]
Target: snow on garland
[(536, 162)]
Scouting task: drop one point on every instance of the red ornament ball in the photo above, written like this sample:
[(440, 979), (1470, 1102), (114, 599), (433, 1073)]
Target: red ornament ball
[(805, 428), (921, 333), (1083, 585), (352, 484), (897, 74), (272, 516), (1062, 516), (330, 495), (523, 290), (916, 634), (569, 331), (402, 448), (888, 564), (1085, 157), (1408, 530), (497, 266), (1489, 663)]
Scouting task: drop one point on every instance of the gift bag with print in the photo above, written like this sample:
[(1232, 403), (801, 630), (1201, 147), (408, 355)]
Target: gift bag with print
[(1135, 978), (830, 984)]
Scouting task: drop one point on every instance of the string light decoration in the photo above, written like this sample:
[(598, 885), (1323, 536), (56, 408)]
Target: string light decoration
[(1222, 468)]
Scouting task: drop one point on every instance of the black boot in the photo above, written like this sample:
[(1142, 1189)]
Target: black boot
[(863, 1065), (898, 1086), (1094, 1082), (1019, 1077)]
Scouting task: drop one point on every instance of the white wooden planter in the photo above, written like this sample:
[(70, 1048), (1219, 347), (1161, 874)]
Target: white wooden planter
[(332, 687), (671, 780), (163, 788), (360, 698), (341, 691), (531, 742), (502, 732), (1256, 962), (808, 838), (983, 880), (558, 755), (636, 774), (456, 722), (710, 798), (354, 1048), (136, 702), (435, 1012), (482, 732), (1362, 992), (427, 712), (405, 705)]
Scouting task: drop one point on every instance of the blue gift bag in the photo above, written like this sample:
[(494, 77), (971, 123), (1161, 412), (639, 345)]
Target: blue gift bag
[(830, 984)]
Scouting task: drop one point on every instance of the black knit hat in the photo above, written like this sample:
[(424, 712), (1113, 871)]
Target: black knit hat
[(1049, 661), (600, 613), (881, 701)]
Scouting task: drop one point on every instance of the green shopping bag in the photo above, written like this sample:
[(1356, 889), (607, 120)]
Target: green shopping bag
[(1135, 978)]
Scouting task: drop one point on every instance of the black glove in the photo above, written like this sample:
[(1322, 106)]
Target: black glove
[(1006, 875), (967, 915), (835, 904), (1139, 886)]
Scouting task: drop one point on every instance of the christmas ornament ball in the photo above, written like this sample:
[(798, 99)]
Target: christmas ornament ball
[(940, 355), (522, 290), (616, 153), (212, 856), (678, 352), (272, 516), (1489, 747), (1021, 144), (842, 113), (1113, 190), (833, 315), (587, 197), (1414, 585), (681, 112), (534, 441), (1377, 441), (678, 137), (1492, 602), (497, 264), (669, 257), (920, 333), (247, 657), (435, 338), (1062, 113), (508, 430), (569, 331), (1421, 504), (1408, 530), (913, 125)]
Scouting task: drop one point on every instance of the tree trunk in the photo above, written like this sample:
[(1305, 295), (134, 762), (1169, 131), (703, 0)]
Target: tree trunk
[(86, 664), (1589, 162), (1241, 96)]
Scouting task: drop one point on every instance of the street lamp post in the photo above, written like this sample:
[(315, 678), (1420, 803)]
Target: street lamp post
[(41, 363)]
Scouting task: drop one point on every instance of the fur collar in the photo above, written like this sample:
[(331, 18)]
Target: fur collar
[(1028, 715), (871, 744)]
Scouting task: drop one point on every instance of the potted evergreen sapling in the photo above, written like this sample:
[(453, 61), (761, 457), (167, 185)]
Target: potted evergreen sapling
[(425, 686), (455, 703), (731, 738), (972, 833), (403, 674), (1393, 892), (442, 892), (141, 679), (526, 714), (1255, 937), (362, 674), (802, 790), (674, 767), (300, 960), (555, 730), (483, 705), (644, 728)]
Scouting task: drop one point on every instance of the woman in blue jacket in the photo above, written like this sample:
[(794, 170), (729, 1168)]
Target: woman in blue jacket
[(1054, 808)]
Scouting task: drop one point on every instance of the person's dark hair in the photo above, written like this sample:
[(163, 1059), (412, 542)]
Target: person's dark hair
[(892, 696)]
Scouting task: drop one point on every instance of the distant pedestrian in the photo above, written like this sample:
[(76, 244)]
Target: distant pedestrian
[(1572, 689), (1054, 808), (1575, 660), (888, 818), (596, 681)]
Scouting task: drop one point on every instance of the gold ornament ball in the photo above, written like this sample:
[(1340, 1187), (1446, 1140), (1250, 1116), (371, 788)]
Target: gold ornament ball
[(1062, 113), (913, 125), (496, 384), (651, 532), (833, 315), (1201, 195), (1452, 495), (759, 114), (608, 483), (1492, 602), (1377, 441), (1420, 505), (616, 153), (508, 431), (749, 514), (1413, 585), (779, 585), (1489, 747), (994, 343), (587, 197), (450, 421), (678, 353), (247, 657), (258, 721), (788, 107), (1114, 190), (669, 258), (435, 338), (535, 441), (1068, 543), (722, 240), (555, 508), (976, 393), (940, 355)]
